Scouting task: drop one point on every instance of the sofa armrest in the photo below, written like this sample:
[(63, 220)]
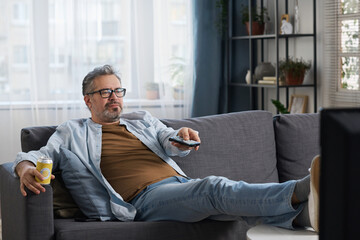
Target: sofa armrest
[(28, 217)]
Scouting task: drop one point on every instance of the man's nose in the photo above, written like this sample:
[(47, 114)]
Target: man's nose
[(113, 96)]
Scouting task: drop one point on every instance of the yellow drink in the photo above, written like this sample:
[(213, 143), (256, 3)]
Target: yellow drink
[(44, 166)]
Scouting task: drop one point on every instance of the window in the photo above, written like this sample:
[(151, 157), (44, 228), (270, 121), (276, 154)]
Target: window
[(20, 55), (342, 52), (57, 57), (47, 47), (63, 40), (110, 21), (20, 14), (349, 49), (109, 51)]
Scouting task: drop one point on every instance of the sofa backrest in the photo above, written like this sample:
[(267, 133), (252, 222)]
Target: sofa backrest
[(240, 146), (33, 138), (297, 143)]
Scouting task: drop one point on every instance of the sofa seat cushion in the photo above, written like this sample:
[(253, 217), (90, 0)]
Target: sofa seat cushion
[(297, 143), (67, 229), (239, 146)]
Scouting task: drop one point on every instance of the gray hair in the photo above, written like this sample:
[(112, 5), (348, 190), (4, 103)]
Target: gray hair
[(88, 82)]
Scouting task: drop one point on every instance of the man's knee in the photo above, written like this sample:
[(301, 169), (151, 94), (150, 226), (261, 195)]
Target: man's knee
[(214, 184)]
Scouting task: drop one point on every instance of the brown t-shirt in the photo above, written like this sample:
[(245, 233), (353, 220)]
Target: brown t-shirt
[(127, 164)]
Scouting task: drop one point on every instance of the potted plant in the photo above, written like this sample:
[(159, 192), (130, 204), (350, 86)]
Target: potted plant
[(222, 18), (258, 15), (152, 90), (279, 106), (294, 70), (177, 75)]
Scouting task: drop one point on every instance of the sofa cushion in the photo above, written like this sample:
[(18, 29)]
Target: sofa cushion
[(64, 204), (92, 199), (33, 138), (297, 143), (239, 146)]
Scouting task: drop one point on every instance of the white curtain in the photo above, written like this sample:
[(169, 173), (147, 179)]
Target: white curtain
[(48, 46)]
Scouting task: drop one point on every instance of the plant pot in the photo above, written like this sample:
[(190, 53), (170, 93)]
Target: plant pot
[(292, 79), (257, 28), (178, 93), (152, 94)]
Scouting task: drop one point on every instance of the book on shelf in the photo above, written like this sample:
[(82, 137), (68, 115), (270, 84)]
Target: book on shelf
[(269, 78), (266, 82), (269, 81)]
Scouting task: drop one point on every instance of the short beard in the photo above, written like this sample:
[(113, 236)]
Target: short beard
[(112, 117)]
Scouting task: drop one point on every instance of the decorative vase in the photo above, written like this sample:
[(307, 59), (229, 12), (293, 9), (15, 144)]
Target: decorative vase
[(292, 79), (296, 18), (257, 28), (264, 69), (248, 77)]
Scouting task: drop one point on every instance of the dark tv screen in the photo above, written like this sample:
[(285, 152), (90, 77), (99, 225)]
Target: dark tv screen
[(340, 174)]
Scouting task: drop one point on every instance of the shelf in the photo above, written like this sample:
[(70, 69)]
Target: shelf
[(296, 35), (270, 85), (271, 36), (266, 36), (249, 52)]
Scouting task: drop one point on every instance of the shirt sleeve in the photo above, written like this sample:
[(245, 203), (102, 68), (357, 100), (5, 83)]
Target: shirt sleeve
[(163, 135), (51, 149)]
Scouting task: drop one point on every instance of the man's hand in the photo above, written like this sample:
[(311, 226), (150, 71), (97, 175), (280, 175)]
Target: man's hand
[(27, 172), (187, 134)]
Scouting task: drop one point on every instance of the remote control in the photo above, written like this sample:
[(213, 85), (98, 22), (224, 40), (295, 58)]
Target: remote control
[(190, 143)]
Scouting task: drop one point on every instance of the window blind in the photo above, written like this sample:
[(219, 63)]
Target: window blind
[(341, 53)]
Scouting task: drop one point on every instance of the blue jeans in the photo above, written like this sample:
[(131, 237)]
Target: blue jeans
[(192, 200)]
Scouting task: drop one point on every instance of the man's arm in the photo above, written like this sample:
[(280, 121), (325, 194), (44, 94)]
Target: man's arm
[(24, 165), (164, 133), (27, 172)]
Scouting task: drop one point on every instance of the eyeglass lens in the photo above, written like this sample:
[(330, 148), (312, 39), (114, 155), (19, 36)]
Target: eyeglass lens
[(119, 92)]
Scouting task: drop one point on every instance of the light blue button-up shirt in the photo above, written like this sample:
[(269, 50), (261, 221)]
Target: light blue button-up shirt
[(83, 138)]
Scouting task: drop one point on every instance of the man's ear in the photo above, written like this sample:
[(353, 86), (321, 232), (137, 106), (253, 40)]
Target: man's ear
[(87, 101)]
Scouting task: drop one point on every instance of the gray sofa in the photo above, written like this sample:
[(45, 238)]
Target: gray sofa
[(253, 146)]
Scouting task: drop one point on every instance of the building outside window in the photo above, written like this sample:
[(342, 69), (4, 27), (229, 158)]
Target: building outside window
[(20, 12), (20, 55), (53, 44)]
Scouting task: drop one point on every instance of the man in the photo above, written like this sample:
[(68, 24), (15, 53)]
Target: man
[(130, 156)]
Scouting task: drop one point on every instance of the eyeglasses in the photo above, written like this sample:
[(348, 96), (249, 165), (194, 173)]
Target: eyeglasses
[(106, 93)]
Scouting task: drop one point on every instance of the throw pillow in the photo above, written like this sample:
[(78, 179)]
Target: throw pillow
[(63, 204), (86, 190)]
